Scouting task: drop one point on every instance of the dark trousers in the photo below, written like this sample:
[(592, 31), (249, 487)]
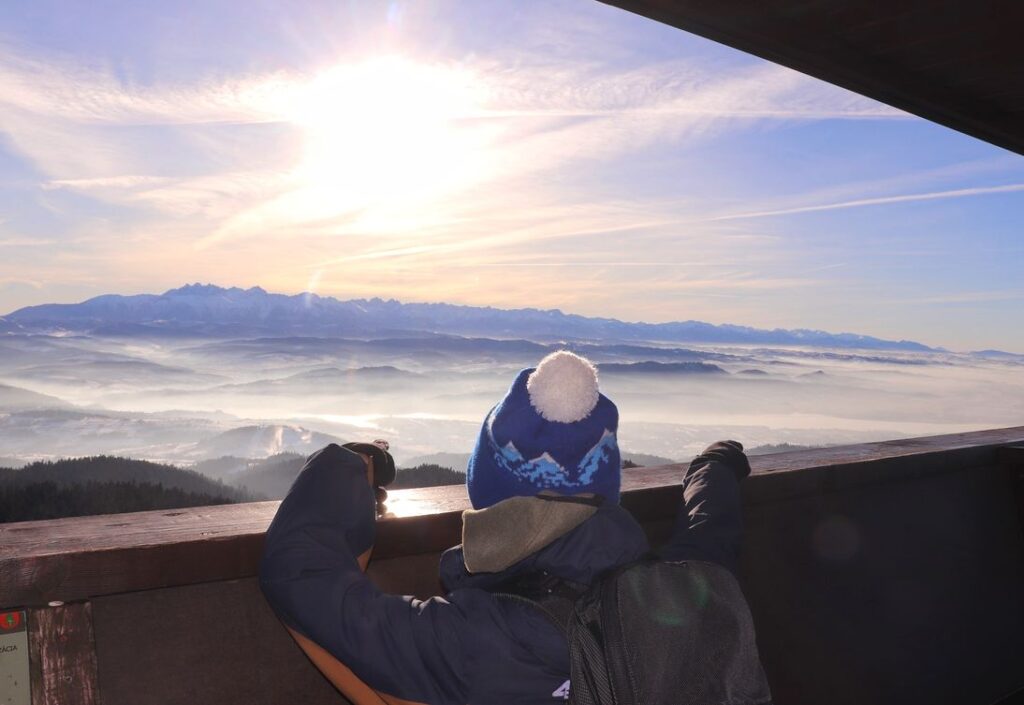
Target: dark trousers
[(710, 525)]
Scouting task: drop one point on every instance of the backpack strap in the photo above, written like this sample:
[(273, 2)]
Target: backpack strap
[(554, 596)]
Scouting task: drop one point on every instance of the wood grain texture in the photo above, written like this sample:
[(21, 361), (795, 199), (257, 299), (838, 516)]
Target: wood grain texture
[(213, 643), (1011, 457), (62, 655), (80, 558)]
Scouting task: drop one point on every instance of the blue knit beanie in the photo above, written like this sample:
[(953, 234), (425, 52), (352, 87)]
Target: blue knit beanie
[(553, 431)]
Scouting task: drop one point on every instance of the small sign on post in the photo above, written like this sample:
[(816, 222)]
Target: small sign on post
[(14, 678)]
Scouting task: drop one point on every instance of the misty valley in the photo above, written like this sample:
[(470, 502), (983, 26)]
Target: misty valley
[(241, 405)]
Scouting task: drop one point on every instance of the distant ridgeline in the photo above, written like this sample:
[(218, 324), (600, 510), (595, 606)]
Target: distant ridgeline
[(111, 485), (199, 309)]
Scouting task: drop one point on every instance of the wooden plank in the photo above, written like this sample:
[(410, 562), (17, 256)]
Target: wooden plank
[(216, 643), (74, 559), (946, 62), (1011, 457), (62, 655)]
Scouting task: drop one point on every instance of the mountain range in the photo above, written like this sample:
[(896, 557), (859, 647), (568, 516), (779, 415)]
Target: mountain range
[(206, 310)]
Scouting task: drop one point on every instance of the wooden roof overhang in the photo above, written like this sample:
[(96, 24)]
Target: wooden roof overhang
[(956, 63)]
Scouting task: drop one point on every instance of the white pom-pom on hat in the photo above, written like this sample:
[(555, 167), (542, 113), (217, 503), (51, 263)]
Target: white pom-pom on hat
[(563, 388)]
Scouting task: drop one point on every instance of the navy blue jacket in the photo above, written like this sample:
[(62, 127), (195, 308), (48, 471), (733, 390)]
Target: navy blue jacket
[(469, 646)]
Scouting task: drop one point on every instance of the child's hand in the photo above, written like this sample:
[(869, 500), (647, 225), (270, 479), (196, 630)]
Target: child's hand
[(369, 468), (380, 494), (380, 464)]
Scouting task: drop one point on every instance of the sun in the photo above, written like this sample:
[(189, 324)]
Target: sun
[(386, 134)]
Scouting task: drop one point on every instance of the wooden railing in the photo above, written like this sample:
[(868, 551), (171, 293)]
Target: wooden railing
[(882, 572)]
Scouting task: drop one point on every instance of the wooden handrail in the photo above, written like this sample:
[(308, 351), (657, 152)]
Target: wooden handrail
[(83, 557)]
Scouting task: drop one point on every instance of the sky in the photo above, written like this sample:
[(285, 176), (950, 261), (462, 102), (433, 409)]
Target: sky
[(557, 154)]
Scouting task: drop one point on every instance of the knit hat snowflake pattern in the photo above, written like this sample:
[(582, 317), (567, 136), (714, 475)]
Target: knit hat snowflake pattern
[(554, 430)]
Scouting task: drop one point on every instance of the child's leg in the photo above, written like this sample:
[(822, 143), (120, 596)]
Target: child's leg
[(709, 526)]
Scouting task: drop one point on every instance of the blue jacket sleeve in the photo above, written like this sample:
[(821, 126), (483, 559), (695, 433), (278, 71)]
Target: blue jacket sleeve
[(309, 574)]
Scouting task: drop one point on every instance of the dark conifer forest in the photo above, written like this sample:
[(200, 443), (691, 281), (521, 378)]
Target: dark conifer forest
[(111, 485), (48, 500)]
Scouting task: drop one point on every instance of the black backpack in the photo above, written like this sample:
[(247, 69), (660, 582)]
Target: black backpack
[(654, 633)]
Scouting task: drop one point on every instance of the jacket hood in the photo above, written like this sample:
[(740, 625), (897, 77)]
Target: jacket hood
[(569, 539)]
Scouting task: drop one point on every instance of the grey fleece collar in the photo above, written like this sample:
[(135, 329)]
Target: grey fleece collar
[(507, 532)]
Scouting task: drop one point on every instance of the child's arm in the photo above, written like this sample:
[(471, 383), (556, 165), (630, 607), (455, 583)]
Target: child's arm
[(312, 576)]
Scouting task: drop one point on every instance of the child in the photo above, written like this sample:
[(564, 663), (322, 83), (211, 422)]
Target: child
[(544, 484)]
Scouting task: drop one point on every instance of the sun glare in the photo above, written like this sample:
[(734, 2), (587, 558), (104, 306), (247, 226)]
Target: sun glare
[(387, 135)]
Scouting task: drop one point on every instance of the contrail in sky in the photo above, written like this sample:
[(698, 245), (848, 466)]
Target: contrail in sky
[(881, 200)]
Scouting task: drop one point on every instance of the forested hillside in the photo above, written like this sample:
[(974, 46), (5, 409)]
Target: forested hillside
[(110, 485), (427, 475), (105, 468), (273, 476), (48, 500), (106, 485)]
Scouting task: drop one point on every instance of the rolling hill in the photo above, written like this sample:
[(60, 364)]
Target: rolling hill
[(104, 469)]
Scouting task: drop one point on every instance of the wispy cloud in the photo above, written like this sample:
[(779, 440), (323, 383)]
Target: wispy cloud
[(61, 88), (972, 297), (673, 88), (65, 118), (543, 165), (27, 242)]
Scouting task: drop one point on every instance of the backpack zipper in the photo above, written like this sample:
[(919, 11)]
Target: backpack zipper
[(536, 605)]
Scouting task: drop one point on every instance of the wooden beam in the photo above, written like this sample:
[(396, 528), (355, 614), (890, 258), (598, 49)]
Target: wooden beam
[(957, 64), (80, 558), (62, 655)]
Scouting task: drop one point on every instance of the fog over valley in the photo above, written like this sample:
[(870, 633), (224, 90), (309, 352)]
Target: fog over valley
[(167, 383)]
